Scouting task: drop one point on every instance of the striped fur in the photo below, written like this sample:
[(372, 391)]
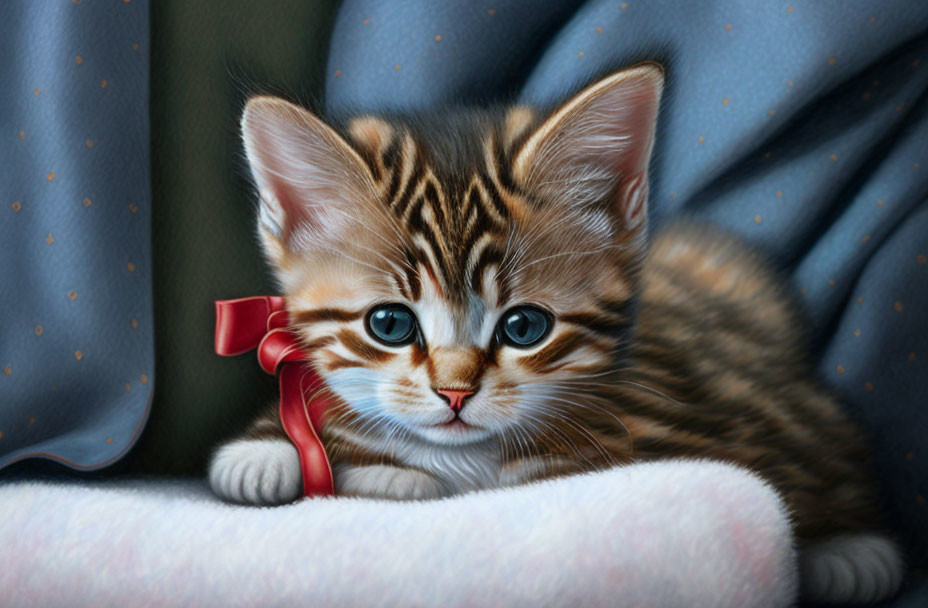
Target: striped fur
[(688, 347)]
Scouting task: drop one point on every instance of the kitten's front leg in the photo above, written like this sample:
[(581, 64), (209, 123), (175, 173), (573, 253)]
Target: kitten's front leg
[(261, 468), (386, 481)]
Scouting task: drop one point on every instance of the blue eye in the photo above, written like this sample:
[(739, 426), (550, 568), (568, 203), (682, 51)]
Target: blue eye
[(392, 324), (524, 326)]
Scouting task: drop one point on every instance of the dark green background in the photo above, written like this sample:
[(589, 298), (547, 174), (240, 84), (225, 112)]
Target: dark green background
[(206, 59)]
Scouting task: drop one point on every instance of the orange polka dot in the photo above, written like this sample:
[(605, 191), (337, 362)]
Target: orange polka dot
[(767, 155), (865, 96), (865, 238), (491, 12), (16, 206), (133, 207), (89, 143), (51, 176), (110, 439), (779, 194), (831, 283), (789, 83), (397, 67), (624, 6), (72, 295), (437, 37), (103, 83), (128, 386), (911, 356), (868, 386), (757, 219), (859, 300), (899, 108), (7, 370), (857, 333), (135, 46), (725, 102), (39, 330), (144, 379), (702, 139), (728, 27), (916, 62), (803, 291), (78, 355), (131, 267), (872, 19), (910, 456), (915, 165), (134, 323), (840, 369), (337, 73), (879, 203), (49, 239), (789, 9), (22, 134), (834, 157), (367, 21), (1, 434), (771, 112), (831, 61), (78, 60), (87, 202), (921, 258), (31, 419), (37, 91), (599, 29), (898, 306), (580, 54), (919, 500)]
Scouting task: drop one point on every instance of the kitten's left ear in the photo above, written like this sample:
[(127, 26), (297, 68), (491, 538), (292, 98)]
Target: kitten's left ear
[(309, 179), (595, 149)]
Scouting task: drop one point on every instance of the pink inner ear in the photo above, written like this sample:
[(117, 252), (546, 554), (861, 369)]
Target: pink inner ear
[(633, 200)]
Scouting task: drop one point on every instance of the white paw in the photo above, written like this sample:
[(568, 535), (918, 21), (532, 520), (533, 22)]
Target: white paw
[(382, 481), (851, 569), (257, 472)]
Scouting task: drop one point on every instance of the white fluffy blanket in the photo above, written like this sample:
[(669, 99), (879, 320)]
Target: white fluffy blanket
[(660, 534)]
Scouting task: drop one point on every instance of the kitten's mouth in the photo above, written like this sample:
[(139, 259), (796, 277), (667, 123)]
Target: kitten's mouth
[(455, 423), (453, 432)]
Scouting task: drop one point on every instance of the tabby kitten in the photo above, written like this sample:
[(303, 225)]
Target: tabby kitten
[(477, 290)]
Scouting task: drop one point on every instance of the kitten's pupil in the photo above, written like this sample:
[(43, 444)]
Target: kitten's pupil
[(521, 325)]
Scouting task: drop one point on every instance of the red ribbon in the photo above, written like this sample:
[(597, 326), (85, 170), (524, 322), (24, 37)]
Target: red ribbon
[(262, 322)]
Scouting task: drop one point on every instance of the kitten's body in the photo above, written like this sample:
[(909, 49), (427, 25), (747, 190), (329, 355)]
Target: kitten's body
[(687, 348)]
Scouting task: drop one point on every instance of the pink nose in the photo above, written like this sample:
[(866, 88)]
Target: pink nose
[(455, 397)]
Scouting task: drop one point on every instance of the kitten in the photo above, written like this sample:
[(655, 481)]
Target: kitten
[(478, 291)]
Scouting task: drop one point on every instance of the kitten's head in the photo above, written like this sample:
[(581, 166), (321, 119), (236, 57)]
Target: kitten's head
[(466, 275)]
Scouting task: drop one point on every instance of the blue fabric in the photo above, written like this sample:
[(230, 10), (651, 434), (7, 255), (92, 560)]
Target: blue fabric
[(76, 351), (801, 127)]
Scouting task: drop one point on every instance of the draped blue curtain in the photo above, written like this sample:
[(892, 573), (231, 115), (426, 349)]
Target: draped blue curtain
[(800, 126), (76, 352)]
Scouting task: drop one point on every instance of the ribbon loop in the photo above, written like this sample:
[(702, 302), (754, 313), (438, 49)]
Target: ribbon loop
[(262, 323)]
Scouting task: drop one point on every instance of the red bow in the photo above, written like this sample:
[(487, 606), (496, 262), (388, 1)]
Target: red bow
[(262, 322)]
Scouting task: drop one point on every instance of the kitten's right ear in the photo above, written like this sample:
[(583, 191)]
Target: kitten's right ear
[(307, 175)]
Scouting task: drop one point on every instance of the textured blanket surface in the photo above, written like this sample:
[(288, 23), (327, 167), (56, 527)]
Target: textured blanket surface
[(659, 534)]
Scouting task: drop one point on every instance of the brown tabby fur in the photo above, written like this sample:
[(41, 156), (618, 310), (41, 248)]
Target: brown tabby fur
[(688, 347)]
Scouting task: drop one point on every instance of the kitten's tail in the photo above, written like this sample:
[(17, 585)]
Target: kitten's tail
[(851, 569)]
